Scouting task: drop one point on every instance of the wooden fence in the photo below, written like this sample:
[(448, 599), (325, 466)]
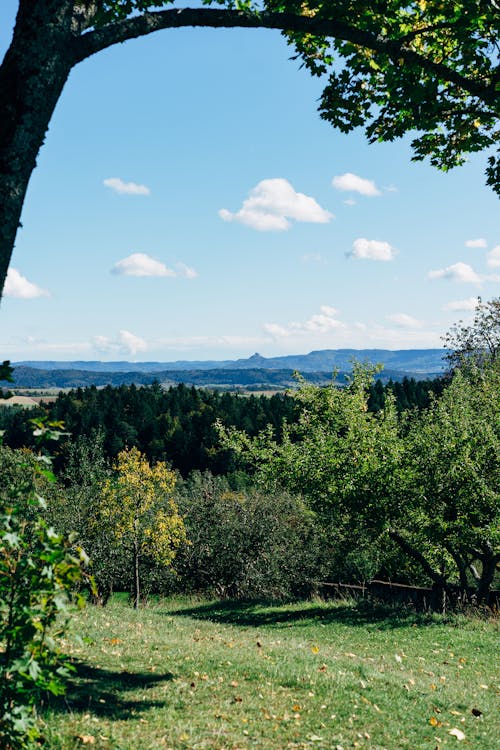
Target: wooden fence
[(422, 598)]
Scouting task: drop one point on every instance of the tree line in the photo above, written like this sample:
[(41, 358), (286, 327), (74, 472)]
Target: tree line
[(178, 424)]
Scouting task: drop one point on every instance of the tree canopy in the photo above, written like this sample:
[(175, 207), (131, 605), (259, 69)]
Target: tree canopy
[(426, 66), (478, 342)]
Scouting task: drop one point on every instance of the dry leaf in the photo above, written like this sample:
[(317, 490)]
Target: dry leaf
[(476, 712), (315, 649), (457, 733), (86, 739)]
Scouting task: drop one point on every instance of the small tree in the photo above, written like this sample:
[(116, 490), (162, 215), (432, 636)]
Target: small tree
[(140, 514), (478, 342)]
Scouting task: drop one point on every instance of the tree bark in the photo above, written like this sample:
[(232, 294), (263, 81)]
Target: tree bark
[(32, 76), (137, 580), (489, 562)]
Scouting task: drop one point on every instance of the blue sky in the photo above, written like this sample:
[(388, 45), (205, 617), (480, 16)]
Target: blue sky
[(189, 203)]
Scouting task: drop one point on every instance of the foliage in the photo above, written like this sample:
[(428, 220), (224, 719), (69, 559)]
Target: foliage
[(137, 509), (175, 424), (38, 571), (426, 66), (339, 456), (426, 481), (6, 371), (73, 505), (450, 493), (479, 342), (247, 544)]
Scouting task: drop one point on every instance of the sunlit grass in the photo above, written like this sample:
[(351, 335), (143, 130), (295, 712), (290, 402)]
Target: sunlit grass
[(186, 674)]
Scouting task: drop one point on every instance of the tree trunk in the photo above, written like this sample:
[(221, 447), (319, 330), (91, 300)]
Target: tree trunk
[(489, 562), (137, 580), (440, 585), (32, 75)]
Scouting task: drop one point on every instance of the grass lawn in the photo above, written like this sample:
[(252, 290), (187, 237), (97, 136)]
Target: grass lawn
[(187, 674)]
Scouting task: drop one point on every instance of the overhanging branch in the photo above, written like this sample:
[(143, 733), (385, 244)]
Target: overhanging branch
[(131, 28), (413, 552)]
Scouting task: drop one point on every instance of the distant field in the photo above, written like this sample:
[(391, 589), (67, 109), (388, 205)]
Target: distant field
[(188, 674)]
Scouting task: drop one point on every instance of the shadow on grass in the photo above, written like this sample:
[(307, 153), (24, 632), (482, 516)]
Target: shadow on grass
[(104, 693), (258, 614)]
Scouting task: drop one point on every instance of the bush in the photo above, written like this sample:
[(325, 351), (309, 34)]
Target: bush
[(38, 570), (245, 544)]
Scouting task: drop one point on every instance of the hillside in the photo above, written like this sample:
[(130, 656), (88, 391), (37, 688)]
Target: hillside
[(254, 372)]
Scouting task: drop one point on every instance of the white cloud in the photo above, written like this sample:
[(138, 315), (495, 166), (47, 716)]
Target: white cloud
[(350, 202), (364, 249), (462, 305), (272, 203), (140, 264), (405, 321), (186, 271), (126, 343), (17, 285), (480, 242), (355, 184), (126, 188), (319, 323), (493, 257), (461, 272), (276, 331)]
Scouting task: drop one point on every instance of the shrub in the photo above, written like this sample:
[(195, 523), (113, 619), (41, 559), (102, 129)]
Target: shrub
[(245, 544), (38, 570)]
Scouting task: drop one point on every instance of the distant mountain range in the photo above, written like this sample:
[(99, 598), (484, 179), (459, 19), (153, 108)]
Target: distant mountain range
[(255, 371), (423, 361)]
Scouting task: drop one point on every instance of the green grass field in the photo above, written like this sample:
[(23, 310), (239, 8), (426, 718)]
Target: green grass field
[(186, 674)]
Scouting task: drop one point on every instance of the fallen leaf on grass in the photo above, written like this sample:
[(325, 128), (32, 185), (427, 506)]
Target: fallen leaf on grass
[(86, 739), (476, 712), (315, 649), (457, 733), (435, 722)]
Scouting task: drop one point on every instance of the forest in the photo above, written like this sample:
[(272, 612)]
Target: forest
[(177, 425)]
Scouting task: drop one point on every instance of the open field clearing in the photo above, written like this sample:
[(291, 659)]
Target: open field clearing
[(188, 674)]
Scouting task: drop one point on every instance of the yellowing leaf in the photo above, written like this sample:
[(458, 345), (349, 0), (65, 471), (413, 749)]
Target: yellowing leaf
[(315, 649)]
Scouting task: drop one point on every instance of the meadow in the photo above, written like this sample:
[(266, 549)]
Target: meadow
[(187, 673)]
